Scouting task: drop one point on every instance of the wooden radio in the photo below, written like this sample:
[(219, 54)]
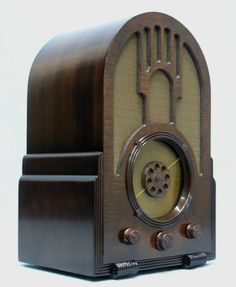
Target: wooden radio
[(118, 175)]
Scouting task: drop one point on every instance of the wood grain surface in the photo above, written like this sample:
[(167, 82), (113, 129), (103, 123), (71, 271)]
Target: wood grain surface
[(93, 97)]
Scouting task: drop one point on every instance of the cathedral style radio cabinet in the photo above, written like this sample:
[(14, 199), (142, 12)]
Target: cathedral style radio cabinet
[(117, 177)]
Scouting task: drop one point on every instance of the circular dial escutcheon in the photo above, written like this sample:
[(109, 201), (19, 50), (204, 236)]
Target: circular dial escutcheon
[(160, 179)]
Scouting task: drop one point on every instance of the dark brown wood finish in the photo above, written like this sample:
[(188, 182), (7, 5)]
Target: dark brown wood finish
[(72, 204), (115, 190), (65, 93), (50, 204), (62, 164), (59, 211)]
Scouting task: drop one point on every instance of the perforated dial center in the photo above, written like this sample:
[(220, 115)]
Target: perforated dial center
[(156, 179)]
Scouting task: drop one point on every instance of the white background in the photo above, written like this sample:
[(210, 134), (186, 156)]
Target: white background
[(24, 27)]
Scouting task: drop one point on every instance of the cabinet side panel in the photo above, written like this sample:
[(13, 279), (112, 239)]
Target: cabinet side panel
[(56, 222), (65, 93), (61, 164)]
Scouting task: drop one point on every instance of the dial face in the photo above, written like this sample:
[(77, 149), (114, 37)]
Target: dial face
[(157, 178)]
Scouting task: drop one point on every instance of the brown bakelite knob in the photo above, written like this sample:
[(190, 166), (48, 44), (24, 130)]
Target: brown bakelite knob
[(164, 240), (131, 236), (193, 231)]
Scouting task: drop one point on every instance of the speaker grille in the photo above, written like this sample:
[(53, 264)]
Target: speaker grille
[(127, 103), (188, 106), (156, 81)]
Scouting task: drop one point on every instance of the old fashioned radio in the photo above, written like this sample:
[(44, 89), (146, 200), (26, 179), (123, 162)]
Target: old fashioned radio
[(118, 173)]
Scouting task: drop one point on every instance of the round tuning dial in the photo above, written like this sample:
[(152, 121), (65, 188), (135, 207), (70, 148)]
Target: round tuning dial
[(131, 236), (164, 241)]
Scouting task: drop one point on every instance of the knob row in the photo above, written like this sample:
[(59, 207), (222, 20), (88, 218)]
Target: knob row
[(164, 240)]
